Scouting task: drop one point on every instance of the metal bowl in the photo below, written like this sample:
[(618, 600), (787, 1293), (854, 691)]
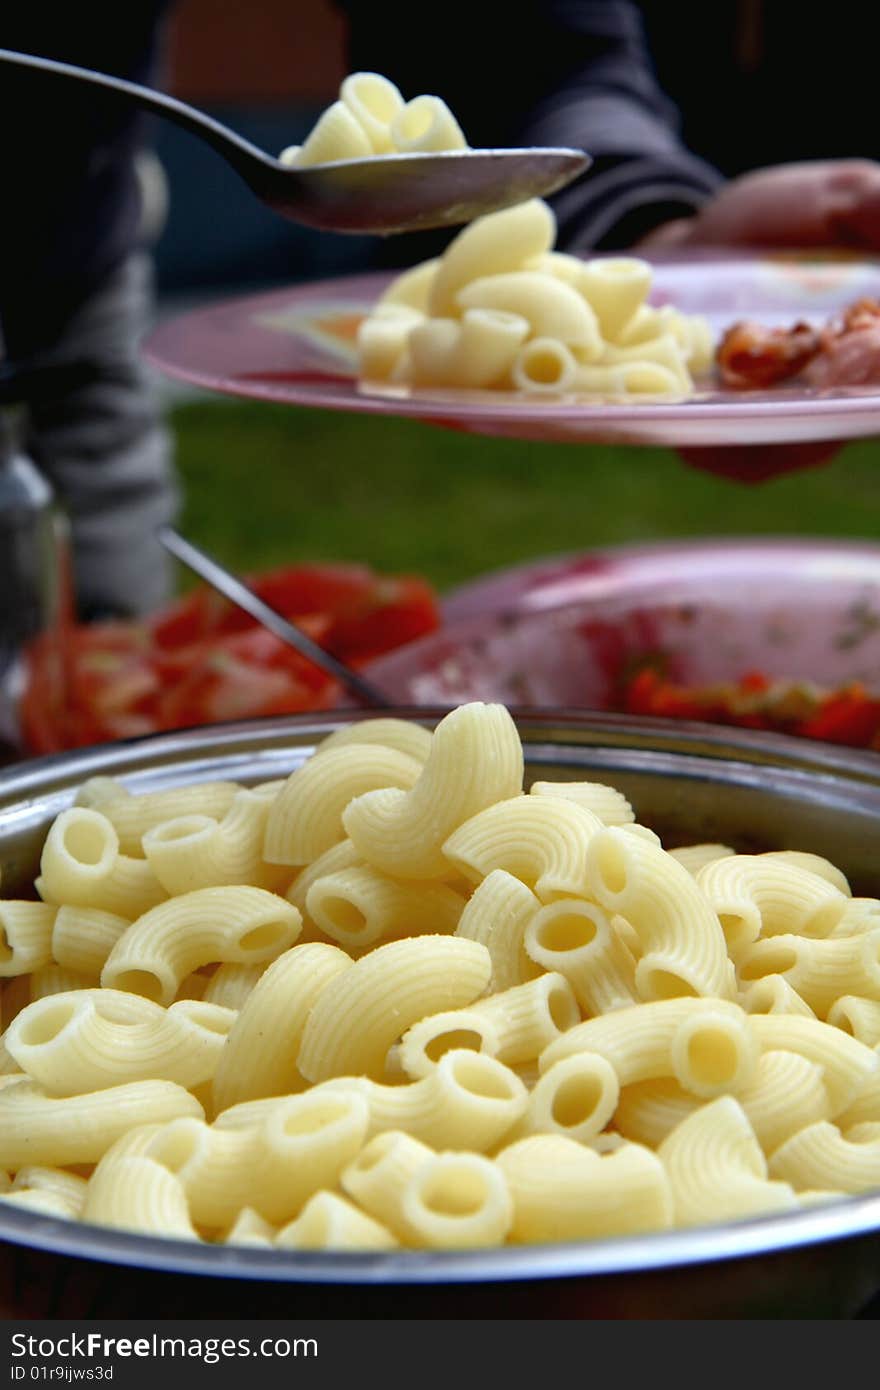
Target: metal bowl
[(690, 783)]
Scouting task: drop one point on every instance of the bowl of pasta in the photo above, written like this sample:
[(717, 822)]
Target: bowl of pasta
[(441, 1013)]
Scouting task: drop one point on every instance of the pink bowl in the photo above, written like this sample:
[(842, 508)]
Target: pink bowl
[(564, 631)]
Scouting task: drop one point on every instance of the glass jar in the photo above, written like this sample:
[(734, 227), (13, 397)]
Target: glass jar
[(34, 601)]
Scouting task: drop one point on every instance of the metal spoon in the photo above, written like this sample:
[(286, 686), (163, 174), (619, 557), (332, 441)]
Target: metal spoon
[(220, 578), (391, 193)]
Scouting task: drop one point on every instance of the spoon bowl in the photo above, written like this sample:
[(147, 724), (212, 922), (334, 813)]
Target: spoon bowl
[(381, 195)]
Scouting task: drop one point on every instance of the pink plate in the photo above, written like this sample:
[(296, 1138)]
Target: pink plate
[(296, 346), (565, 631)]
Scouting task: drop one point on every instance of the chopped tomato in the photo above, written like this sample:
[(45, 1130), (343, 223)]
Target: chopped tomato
[(848, 716), (201, 659)]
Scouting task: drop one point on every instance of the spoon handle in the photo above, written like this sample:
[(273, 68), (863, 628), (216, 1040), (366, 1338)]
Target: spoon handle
[(215, 574), (240, 153)]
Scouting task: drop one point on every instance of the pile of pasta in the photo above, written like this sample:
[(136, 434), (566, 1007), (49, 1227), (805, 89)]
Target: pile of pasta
[(371, 118), (395, 1000), (500, 309)]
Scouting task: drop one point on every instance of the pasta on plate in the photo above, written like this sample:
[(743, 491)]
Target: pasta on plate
[(462, 1014), (501, 310)]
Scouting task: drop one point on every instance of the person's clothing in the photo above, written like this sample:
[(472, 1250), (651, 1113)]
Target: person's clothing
[(103, 446), (76, 295), (549, 72)]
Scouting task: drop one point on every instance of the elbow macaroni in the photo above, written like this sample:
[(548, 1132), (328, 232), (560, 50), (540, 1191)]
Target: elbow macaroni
[(522, 1026), (500, 310)]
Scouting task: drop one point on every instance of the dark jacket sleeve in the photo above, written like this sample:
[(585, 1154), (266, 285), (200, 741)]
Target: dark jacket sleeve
[(71, 205), (548, 72)]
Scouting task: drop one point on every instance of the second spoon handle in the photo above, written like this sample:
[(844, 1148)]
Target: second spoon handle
[(215, 574)]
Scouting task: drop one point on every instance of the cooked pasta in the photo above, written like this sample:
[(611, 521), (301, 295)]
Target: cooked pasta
[(500, 310), (497, 914), (563, 1190), (157, 952), (371, 119), (364, 1010), (475, 1016), (716, 1167)]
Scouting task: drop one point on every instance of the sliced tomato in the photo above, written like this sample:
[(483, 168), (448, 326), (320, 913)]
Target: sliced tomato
[(201, 659), (396, 611)]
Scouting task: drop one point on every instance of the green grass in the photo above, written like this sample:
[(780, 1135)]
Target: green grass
[(266, 485)]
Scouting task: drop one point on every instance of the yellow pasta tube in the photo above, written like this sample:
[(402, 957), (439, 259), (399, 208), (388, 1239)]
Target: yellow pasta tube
[(36, 1128), (89, 1039), (194, 852), (359, 906), (545, 366), (467, 1100), (563, 1190), (813, 864), (306, 817), (403, 735), (160, 949), (382, 341), (761, 895), (577, 1097), (301, 1145), (426, 125), (615, 287), (81, 864), (251, 1229), (457, 1201), (473, 353), (83, 937), (716, 1167), (528, 1018), (639, 377), (259, 1056), (138, 1194), (497, 914), (610, 805), (339, 857), (818, 1156), (378, 1178), (551, 308), (25, 937), (682, 943), (863, 1107), (330, 1222), (132, 814), (41, 1203), (54, 979), (576, 939), (820, 970), (787, 1094), (230, 984), (773, 995), (663, 351), (412, 290), (68, 1186), (491, 245), (708, 1045), (847, 1065), (476, 759), (859, 915), (337, 135), (374, 102), (695, 857), (860, 1017), (540, 840), (423, 1045), (367, 1008), (650, 1110)]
